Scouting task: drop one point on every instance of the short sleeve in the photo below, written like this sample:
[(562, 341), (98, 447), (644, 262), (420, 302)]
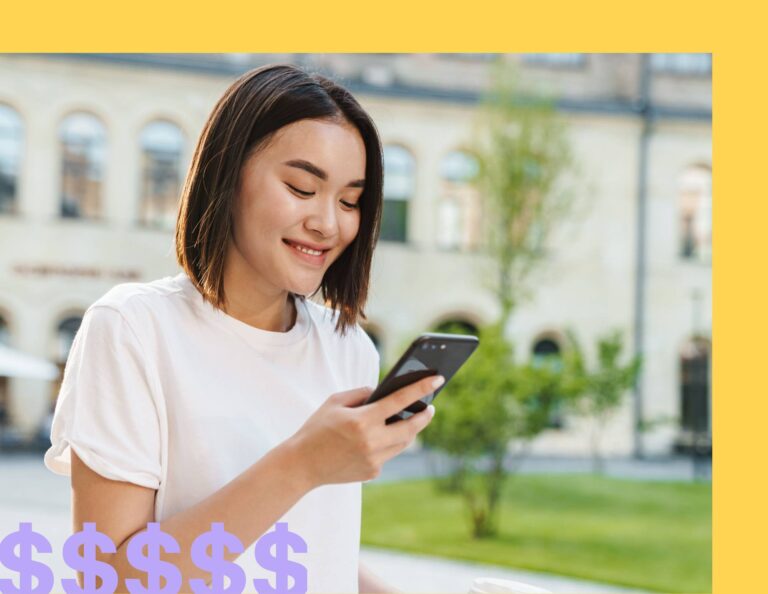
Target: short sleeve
[(106, 410)]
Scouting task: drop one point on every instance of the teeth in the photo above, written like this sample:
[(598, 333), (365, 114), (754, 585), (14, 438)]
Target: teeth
[(307, 250)]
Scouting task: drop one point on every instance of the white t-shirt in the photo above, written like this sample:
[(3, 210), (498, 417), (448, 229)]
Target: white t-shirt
[(165, 391)]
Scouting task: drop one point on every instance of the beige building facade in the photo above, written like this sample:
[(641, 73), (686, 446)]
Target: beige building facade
[(93, 148)]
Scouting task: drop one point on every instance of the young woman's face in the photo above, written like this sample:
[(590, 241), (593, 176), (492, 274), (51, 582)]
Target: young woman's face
[(303, 188)]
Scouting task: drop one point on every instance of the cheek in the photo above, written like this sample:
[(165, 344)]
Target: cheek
[(263, 212), (351, 227)]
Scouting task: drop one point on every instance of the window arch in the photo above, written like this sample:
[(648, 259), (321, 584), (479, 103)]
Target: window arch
[(65, 336), (5, 331), (162, 145), (459, 208), (546, 351), (5, 339), (66, 330), (695, 194), (399, 186), (456, 326), (11, 138), (695, 386), (83, 142), (459, 167)]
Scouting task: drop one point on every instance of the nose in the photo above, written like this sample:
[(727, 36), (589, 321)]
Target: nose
[(323, 217)]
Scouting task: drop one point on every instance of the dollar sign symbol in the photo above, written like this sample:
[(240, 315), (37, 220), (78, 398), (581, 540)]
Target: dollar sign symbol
[(281, 538), (217, 538), (89, 538), (25, 538), (153, 538)]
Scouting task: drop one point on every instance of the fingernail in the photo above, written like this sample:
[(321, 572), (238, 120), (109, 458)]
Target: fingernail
[(431, 409), (438, 381)]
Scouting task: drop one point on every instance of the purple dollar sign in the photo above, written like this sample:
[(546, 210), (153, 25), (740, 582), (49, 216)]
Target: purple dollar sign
[(217, 538), (153, 539), (89, 538), (281, 538), (25, 538)]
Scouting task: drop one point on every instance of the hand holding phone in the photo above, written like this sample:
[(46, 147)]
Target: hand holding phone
[(430, 354)]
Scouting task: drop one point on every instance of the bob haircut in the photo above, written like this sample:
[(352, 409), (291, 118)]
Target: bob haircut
[(242, 122)]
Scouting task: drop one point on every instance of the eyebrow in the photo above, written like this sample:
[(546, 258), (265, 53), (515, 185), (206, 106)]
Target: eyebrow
[(317, 172)]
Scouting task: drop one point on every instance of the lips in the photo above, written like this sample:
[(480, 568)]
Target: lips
[(306, 245), (315, 260)]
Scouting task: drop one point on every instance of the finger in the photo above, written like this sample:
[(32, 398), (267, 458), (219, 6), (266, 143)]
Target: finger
[(402, 433), (406, 431), (354, 397), (400, 399)]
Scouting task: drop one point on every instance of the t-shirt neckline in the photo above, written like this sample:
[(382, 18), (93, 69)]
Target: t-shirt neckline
[(255, 336)]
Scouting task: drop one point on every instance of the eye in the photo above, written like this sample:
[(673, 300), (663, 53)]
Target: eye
[(350, 205), (302, 192)]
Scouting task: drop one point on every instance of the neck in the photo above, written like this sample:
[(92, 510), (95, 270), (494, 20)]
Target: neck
[(253, 302)]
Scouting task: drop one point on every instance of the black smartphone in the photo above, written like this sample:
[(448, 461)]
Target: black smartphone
[(431, 353)]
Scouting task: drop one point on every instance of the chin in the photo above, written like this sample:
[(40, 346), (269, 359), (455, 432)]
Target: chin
[(302, 288)]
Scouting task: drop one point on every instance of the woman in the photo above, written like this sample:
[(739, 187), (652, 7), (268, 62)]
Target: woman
[(223, 394)]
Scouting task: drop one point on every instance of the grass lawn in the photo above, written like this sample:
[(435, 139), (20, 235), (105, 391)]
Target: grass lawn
[(650, 535)]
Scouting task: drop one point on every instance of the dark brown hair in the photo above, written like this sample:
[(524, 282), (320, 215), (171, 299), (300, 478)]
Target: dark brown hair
[(243, 121)]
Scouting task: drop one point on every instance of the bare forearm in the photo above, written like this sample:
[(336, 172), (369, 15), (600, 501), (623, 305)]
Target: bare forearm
[(248, 506)]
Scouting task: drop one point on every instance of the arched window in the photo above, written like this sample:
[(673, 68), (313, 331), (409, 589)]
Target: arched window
[(459, 167), (696, 214), (65, 336), (546, 352), (459, 205), (399, 184), (695, 386), (162, 145), (4, 396), (456, 326), (11, 132), (5, 336), (545, 349), (83, 145)]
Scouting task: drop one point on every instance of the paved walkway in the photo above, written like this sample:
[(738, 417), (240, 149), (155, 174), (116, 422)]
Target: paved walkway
[(420, 463)]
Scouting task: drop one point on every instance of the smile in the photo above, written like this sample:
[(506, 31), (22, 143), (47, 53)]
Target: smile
[(316, 257)]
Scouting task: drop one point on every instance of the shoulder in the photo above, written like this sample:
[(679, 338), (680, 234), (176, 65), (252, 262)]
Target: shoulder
[(128, 298), (135, 304), (127, 295)]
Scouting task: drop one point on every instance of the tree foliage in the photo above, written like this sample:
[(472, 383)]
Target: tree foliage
[(523, 153), (598, 391)]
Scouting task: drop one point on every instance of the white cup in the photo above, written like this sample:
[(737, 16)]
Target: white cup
[(489, 585)]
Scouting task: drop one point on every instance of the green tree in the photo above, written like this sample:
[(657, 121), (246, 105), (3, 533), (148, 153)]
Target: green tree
[(493, 408), (523, 153), (487, 416), (599, 391)]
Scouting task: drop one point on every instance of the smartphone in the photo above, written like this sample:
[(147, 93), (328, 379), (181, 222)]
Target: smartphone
[(431, 353)]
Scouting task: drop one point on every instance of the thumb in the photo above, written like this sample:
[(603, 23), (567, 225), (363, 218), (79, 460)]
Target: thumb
[(354, 397)]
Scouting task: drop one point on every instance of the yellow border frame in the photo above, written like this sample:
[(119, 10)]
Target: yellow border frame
[(729, 32)]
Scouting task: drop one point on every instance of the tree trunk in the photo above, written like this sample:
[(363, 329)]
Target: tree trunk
[(598, 464), (495, 484)]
